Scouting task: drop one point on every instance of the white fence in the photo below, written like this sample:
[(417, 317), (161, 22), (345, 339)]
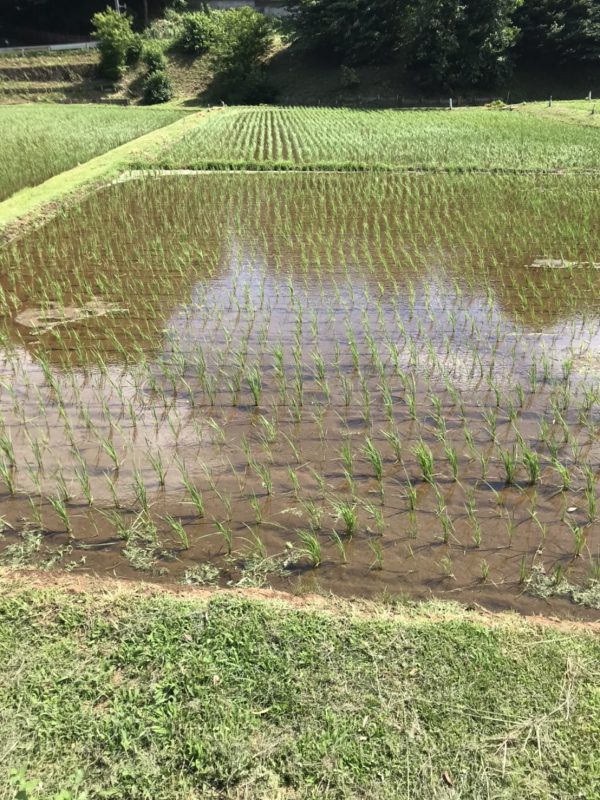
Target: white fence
[(39, 48)]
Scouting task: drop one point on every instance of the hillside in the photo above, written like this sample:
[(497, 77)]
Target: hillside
[(297, 80)]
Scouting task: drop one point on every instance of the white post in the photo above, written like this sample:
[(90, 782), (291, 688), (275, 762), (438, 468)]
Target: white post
[(451, 106)]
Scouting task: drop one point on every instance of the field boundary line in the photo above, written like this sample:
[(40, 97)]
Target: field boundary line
[(433, 611), (37, 204), (158, 172)]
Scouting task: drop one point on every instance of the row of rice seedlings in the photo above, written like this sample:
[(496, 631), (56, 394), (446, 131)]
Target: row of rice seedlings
[(334, 138)]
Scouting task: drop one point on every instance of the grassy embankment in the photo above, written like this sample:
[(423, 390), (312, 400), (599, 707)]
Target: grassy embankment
[(32, 201), (116, 693), (39, 142)]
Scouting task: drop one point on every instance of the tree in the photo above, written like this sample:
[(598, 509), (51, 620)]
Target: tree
[(462, 42), (349, 31), (115, 38), (243, 40), (560, 31)]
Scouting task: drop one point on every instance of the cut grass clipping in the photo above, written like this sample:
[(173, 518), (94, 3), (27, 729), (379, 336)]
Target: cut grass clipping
[(156, 697)]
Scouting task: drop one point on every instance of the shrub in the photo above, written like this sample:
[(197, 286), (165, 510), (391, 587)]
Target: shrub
[(198, 32), (244, 39), (134, 50), (168, 27), (349, 77), (158, 88), (115, 39), (154, 57)]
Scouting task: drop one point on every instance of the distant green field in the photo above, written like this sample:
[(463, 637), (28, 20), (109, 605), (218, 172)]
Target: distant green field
[(320, 138), (39, 141)]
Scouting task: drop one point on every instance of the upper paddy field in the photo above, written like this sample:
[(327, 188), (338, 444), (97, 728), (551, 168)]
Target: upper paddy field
[(372, 382), (315, 138)]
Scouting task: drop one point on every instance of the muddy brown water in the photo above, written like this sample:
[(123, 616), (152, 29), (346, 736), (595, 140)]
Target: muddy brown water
[(380, 312)]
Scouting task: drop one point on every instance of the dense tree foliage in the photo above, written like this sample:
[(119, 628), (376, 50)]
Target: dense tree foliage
[(461, 42), (563, 31), (116, 41), (450, 42), (351, 31)]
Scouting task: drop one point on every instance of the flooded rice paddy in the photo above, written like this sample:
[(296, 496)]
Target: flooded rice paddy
[(358, 383)]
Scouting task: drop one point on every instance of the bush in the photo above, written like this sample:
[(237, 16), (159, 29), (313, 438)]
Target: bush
[(157, 88), (154, 57), (115, 40), (349, 77), (134, 50), (244, 39), (198, 32), (168, 27)]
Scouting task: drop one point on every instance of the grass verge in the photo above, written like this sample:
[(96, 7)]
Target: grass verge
[(127, 692), (38, 201)]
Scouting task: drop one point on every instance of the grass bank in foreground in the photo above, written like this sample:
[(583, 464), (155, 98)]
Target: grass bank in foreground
[(121, 692), (330, 139)]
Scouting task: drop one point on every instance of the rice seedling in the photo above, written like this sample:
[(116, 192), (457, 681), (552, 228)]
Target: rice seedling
[(531, 462), (347, 513), (425, 458), (226, 534), (311, 547), (509, 462), (62, 512), (377, 550), (177, 528)]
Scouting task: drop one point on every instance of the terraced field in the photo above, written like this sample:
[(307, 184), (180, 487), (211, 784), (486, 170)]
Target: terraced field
[(318, 138), (39, 141)]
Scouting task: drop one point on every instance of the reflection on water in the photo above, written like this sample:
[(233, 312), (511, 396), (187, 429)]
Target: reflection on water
[(291, 347)]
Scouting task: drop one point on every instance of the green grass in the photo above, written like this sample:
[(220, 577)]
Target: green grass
[(155, 697), (320, 138), (40, 141), (41, 201)]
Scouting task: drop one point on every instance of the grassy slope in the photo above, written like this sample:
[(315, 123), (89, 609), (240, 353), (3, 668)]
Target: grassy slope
[(319, 138), (298, 78), (163, 697), (39, 141), (27, 203)]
